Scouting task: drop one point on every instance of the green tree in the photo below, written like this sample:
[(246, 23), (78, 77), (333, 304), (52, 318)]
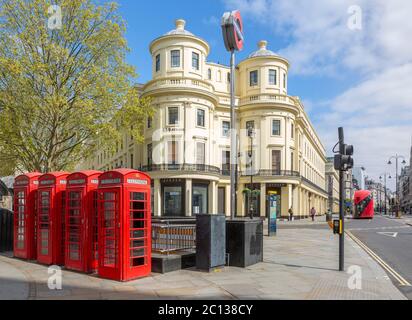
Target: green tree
[(65, 88)]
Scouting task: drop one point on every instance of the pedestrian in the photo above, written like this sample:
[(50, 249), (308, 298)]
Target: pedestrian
[(313, 214), (290, 214)]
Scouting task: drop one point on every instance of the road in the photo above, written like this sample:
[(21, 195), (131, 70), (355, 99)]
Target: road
[(391, 240)]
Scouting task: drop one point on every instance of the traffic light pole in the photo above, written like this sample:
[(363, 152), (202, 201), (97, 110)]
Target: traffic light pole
[(342, 222), (342, 206)]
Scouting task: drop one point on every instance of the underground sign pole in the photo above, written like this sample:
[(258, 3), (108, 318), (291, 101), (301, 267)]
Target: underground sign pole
[(232, 30)]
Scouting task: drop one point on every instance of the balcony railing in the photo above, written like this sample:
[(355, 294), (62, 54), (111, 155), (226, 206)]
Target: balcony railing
[(271, 173), (262, 98), (179, 83), (182, 167)]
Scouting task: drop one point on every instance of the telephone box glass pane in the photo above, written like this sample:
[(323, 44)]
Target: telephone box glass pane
[(44, 219), (21, 211), (138, 225), (110, 213), (75, 225)]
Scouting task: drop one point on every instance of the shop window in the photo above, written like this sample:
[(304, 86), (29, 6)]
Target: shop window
[(200, 199), (173, 201)]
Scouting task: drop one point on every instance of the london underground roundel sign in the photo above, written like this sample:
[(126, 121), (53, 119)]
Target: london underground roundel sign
[(232, 29)]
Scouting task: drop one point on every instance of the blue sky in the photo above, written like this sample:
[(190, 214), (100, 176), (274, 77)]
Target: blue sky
[(357, 77), (203, 18)]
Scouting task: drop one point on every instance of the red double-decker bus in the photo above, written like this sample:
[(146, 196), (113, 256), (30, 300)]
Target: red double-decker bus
[(364, 206)]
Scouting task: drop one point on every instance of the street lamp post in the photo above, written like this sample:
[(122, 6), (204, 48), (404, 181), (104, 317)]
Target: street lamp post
[(385, 176), (397, 158), (232, 31)]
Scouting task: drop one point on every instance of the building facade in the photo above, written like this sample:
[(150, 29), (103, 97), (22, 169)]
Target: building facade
[(378, 192), (359, 178), (187, 142), (332, 186), (405, 188)]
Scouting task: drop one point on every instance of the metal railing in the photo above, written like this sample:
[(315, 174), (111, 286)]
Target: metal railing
[(272, 173), (182, 167), (173, 235)]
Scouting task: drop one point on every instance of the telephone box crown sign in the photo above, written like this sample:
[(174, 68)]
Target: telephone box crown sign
[(232, 29)]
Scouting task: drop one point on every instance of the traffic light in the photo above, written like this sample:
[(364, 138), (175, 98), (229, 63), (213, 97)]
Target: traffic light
[(344, 160)]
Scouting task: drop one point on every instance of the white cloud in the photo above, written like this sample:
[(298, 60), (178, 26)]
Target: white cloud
[(377, 110)]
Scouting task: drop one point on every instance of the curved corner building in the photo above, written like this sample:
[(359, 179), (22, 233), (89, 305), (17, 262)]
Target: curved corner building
[(187, 143)]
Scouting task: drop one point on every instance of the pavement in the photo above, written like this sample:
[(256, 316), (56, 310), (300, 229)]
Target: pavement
[(300, 263)]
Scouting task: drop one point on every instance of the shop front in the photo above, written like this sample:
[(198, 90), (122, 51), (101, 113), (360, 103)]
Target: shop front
[(173, 197), (182, 198)]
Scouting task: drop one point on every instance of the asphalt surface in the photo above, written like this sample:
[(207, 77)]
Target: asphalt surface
[(391, 240)]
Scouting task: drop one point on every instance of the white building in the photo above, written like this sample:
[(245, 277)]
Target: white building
[(187, 143)]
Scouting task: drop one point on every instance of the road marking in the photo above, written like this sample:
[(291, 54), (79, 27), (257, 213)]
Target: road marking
[(402, 281), (389, 234), (380, 228)]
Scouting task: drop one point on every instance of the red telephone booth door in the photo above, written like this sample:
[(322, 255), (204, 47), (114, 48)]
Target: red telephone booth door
[(75, 228), (138, 250), (109, 234), (44, 252), (20, 225)]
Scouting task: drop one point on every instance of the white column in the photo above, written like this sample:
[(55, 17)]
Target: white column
[(241, 201), (227, 200), (213, 197), (157, 198), (188, 197), (295, 203)]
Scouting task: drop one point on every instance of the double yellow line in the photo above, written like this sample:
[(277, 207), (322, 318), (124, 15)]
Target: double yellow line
[(402, 281)]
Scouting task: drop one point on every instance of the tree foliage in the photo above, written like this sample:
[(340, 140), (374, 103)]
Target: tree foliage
[(65, 91)]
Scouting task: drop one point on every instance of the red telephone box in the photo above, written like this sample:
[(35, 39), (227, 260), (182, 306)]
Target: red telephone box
[(25, 196), (81, 221), (125, 245), (50, 221)]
